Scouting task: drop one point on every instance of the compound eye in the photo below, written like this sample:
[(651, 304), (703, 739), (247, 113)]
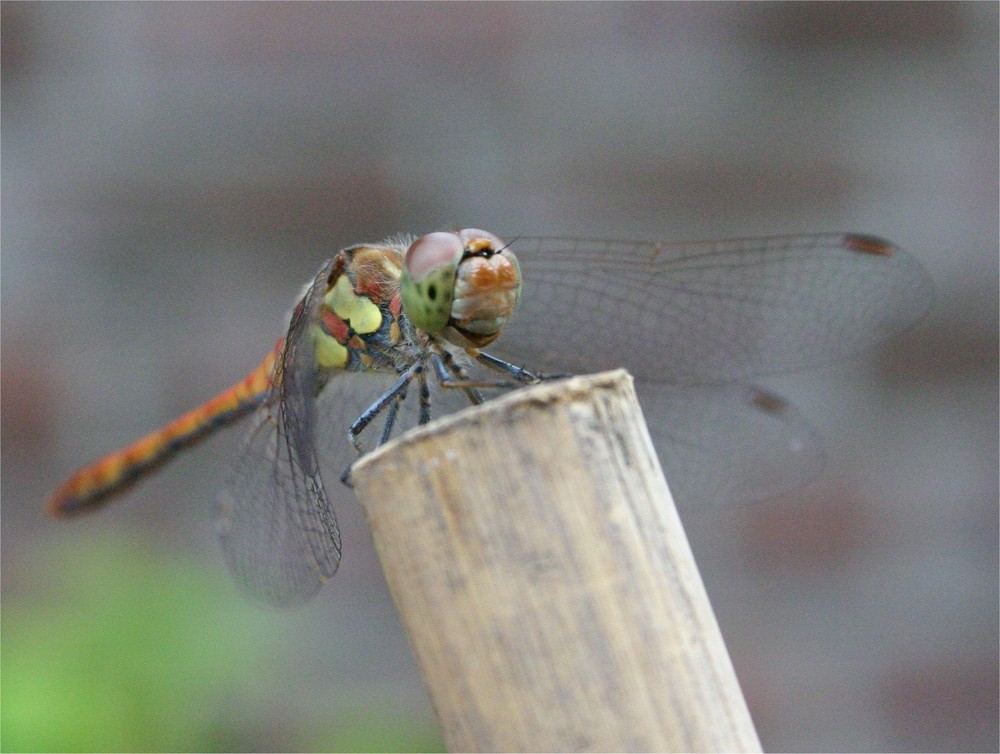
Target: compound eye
[(427, 285), (431, 253)]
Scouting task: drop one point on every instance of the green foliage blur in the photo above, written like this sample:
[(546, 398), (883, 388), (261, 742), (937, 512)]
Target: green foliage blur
[(162, 655)]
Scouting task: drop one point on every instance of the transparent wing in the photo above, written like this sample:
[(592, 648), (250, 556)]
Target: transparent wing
[(719, 446), (709, 313), (731, 445), (682, 317), (274, 516), (278, 531), (688, 314)]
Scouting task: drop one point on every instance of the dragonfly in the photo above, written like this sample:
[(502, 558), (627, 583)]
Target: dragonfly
[(389, 333)]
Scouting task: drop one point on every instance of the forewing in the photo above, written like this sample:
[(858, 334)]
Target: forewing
[(709, 313), (278, 531)]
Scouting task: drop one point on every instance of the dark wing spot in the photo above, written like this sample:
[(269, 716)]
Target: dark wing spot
[(769, 402), (868, 244)]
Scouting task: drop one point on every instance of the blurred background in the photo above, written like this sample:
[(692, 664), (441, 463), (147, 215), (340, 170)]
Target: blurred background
[(173, 173)]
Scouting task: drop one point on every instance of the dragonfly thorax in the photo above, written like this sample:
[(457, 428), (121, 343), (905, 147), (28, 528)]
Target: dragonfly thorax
[(462, 286)]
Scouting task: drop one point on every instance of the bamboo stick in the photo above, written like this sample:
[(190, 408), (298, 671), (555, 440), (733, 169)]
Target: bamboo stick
[(539, 565)]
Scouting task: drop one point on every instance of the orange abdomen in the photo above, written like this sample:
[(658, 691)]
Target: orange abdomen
[(92, 486)]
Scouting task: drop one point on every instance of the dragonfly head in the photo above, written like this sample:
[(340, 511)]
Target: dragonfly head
[(463, 286)]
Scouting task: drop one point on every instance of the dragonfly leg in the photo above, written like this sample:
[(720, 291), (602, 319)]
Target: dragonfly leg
[(518, 373), (390, 417), (393, 398), (450, 374), (425, 398), (394, 395)]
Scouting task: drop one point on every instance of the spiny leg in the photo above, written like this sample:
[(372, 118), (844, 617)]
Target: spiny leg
[(393, 395), (425, 398), (450, 374), (393, 398), (520, 374), (390, 417)]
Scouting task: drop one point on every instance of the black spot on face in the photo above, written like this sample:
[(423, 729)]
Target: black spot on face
[(432, 292)]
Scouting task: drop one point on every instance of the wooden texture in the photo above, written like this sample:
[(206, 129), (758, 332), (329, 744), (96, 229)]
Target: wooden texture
[(540, 568)]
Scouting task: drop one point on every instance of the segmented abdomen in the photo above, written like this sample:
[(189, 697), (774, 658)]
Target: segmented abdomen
[(92, 485)]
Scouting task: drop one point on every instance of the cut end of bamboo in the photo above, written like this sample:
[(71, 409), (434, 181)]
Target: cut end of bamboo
[(542, 573), (502, 409)]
